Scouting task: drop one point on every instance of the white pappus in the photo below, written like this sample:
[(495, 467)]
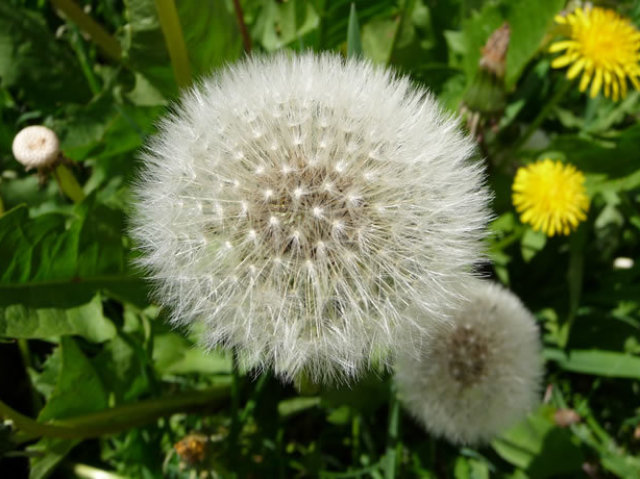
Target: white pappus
[(478, 375), (296, 206)]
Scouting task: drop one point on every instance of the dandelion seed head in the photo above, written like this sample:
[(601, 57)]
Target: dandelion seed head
[(36, 147), (479, 375), (328, 244), (550, 196)]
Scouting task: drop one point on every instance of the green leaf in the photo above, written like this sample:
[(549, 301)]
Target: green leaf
[(470, 468), (529, 22), (377, 39), (476, 30), (78, 390), (597, 362), (281, 23), (210, 32), (61, 261), (540, 447), (616, 158), (121, 369), (296, 405), (173, 354), (354, 43), (532, 243), (49, 452), (19, 321), (34, 61), (45, 382), (334, 18)]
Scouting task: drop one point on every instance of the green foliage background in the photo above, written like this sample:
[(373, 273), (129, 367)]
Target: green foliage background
[(112, 389)]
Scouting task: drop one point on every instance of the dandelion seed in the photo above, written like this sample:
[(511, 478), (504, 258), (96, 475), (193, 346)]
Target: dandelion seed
[(550, 196), (324, 262), (603, 46), (479, 375)]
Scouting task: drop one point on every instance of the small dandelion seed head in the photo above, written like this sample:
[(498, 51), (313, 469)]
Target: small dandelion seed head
[(602, 46), (550, 196), (335, 259), (36, 147), (479, 375)]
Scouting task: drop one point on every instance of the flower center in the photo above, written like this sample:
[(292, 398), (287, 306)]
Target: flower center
[(468, 350)]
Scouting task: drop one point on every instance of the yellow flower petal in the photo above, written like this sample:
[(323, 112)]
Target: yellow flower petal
[(550, 196), (576, 68), (603, 45)]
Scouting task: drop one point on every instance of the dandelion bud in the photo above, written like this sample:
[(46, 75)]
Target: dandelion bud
[(296, 206), (36, 147), (479, 375)]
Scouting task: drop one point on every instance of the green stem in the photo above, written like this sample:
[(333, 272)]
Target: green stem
[(117, 419), (89, 472), (246, 38), (235, 409), (68, 183), (174, 39), (355, 438), (392, 435), (81, 53), (575, 274), (96, 32), (561, 91), (253, 400)]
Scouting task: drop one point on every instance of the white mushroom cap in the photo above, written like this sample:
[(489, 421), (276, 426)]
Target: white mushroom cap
[(36, 147)]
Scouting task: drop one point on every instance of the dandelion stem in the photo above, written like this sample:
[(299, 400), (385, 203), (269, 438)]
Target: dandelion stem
[(560, 93), (253, 400), (575, 275), (68, 183), (235, 409), (392, 435), (246, 38), (174, 39), (76, 42), (355, 438), (117, 419), (96, 32)]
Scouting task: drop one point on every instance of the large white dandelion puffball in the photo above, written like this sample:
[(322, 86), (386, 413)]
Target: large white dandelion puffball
[(294, 207), (482, 373)]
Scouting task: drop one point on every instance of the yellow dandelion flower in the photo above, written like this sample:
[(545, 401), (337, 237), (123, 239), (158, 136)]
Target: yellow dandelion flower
[(550, 196), (603, 46)]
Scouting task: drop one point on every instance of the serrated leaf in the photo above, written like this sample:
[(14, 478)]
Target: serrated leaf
[(78, 389), (45, 381), (19, 321), (62, 261)]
